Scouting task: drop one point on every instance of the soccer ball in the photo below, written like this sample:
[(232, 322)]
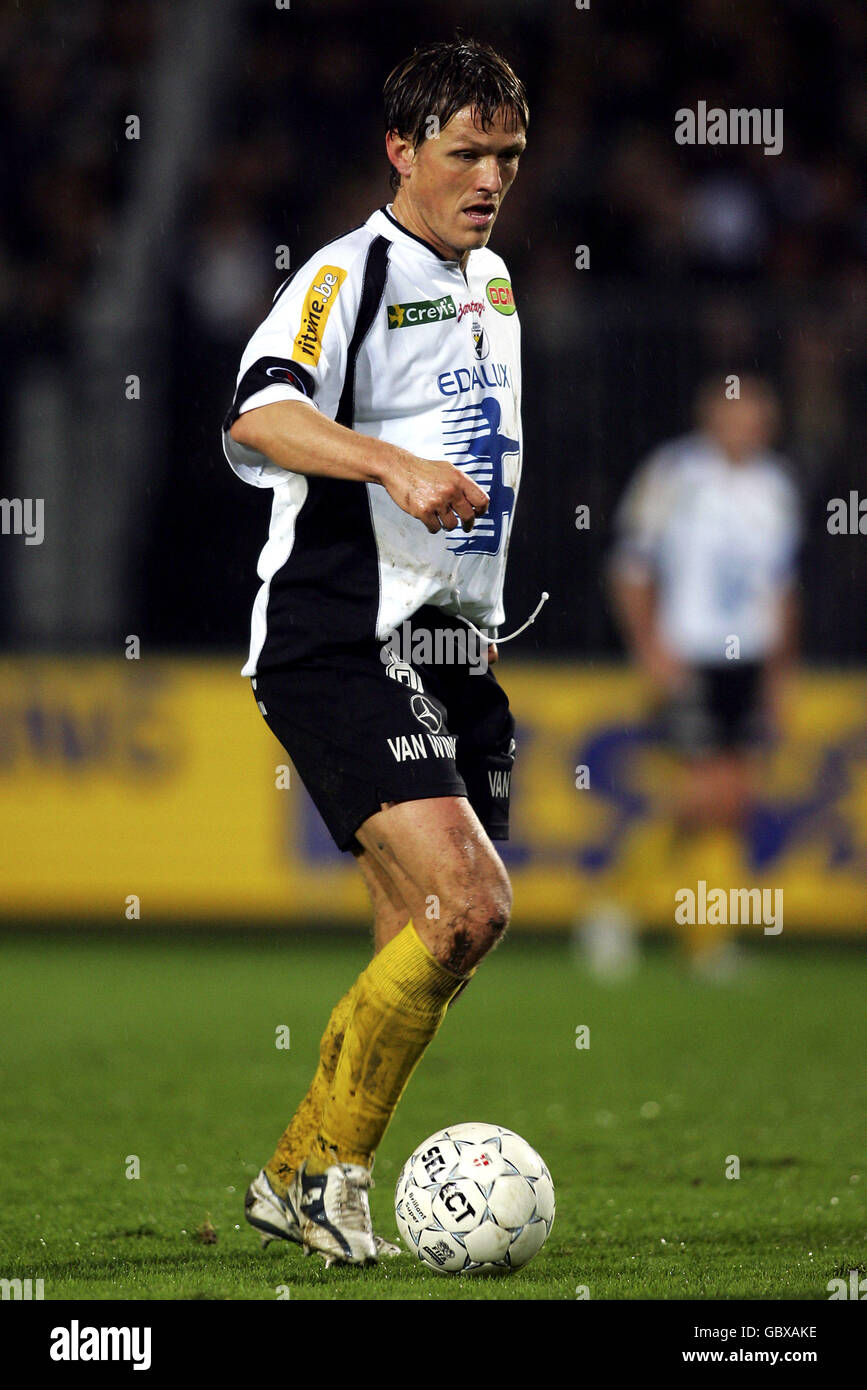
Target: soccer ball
[(474, 1198)]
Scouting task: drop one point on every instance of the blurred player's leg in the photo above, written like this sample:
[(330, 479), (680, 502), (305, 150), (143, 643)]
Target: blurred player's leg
[(718, 791), (711, 813)]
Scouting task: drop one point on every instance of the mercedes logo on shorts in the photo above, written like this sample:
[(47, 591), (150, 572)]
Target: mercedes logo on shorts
[(427, 713)]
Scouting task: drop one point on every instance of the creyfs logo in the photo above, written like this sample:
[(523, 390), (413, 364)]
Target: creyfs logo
[(613, 755), (500, 295), (474, 442), (421, 311)]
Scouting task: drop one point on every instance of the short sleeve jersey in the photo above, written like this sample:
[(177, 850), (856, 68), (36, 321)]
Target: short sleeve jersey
[(381, 333), (719, 539)]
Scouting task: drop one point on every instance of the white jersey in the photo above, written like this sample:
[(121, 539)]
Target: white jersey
[(383, 334), (719, 539)]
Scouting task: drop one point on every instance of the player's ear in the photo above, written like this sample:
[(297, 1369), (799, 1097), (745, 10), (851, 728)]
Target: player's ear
[(400, 151)]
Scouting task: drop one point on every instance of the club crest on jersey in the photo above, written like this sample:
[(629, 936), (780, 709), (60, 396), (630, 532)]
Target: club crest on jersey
[(421, 311), (481, 346), (323, 291)]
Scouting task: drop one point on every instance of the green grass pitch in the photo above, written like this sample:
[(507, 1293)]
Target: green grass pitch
[(164, 1049)]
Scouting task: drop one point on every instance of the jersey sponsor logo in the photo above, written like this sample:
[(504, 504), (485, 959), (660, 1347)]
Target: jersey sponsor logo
[(318, 302), (410, 749), (421, 311), (473, 306), (499, 783), (400, 671), (426, 713), (474, 442), (468, 378), (500, 295)]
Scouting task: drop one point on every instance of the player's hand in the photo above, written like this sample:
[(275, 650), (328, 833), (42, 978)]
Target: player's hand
[(436, 493), (493, 654)]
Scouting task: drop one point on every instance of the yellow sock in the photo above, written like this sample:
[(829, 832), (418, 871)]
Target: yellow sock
[(715, 856), (292, 1148), (399, 1003)]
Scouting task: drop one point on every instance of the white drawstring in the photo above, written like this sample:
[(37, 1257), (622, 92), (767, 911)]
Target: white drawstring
[(499, 640)]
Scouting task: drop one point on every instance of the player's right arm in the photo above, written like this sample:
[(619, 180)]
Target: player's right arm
[(632, 578), (303, 440), (289, 391), (634, 600)]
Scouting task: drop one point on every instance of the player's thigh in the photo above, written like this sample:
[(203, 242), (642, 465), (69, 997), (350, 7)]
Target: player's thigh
[(721, 783), (439, 857)]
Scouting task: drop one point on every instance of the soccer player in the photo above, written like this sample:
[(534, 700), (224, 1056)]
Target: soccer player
[(380, 400), (705, 587)]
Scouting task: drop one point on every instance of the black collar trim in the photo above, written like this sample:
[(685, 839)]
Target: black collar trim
[(450, 260)]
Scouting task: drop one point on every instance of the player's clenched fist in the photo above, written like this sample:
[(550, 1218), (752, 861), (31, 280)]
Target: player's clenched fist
[(436, 492)]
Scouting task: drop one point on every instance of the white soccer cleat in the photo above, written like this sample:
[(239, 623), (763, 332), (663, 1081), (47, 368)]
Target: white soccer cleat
[(274, 1216), (386, 1248), (334, 1214)]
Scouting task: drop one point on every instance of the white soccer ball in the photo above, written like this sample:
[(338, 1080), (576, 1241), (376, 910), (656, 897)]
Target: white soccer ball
[(474, 1198)]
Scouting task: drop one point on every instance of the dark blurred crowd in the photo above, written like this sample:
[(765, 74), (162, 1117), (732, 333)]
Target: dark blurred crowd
[(698, 256)]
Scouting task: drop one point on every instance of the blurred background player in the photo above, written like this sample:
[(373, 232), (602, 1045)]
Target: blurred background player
[(704, 587)]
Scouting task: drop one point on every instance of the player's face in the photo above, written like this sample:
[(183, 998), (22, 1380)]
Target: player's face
[(455, 182), (745, 426)]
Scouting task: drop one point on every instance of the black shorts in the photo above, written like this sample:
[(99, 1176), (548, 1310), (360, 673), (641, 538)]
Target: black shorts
[(721, 710), (362, 731)]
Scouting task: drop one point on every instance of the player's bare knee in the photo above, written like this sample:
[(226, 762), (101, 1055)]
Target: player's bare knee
[(499, 897), (476, 925)]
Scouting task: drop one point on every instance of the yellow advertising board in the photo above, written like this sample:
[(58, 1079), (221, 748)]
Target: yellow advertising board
[(153, 787)]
